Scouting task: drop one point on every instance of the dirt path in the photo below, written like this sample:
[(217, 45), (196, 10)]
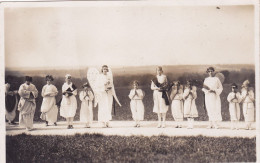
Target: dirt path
[(125, 128)]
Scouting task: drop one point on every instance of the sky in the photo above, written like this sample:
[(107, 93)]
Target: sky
[(128, 35)]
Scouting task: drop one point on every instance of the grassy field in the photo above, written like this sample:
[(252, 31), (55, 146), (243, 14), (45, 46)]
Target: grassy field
[(99, 148)]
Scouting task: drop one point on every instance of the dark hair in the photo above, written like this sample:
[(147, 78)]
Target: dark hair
[(210, 68), (104, 67), (28, 78), (234, 85), (49, 77), (136, 82)]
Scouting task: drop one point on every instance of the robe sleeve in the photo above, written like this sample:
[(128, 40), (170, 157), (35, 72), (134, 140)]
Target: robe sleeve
[(55, 91), (186, 93), (81, 96), (219, 88), (23, 92), (140, 94), (204, 89), (230, 97), (153, 86), (238, 97), (251, 95), (63, 88), (91, 96), (43, 91), (131, 94), (34, 92), (194, 92)]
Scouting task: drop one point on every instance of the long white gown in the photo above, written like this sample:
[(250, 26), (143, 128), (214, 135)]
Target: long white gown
[(105, 98), (159, 102), (136, 104), (177, 104), (212, 100), (68, 109), (190, 108), (27, 104), (234, 108), (86, 111), (49, 107), (248, 105)]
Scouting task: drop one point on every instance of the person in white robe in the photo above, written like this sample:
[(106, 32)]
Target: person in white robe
[(11, 103), (27, 104), (248, 99), (177, 103), (190, 108), (212, 88), (137, 107), (159, 85), (234, 109), (68, 106), (49, 108), (106, 92), (86, 112)]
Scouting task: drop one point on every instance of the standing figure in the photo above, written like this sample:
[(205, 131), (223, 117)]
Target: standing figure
[(247, 99), (68, 103), (49, 108), (234, 108), (11, 102), (160, 96), (137, 107), (104, 90), (190, 108), (86, 112), (177, 103), (27, 104), (212, 88)]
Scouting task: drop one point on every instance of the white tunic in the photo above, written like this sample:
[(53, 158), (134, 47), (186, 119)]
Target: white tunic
[(190, 108), (49, 107), (159, 102), (68, 109), (136, 104), (212, 100), (234, 108), (177, 104), (248, 105), (27, 104), (105, 98), (86, 111)]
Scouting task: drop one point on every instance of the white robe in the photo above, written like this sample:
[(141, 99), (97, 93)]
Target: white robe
[(27, 105), (159, 102), (190, 108), (234, 108), (212, 100), (86, 111), (248, 105), (49, 107), (105, 98), (136, 104), (177, 104), (68, 110)]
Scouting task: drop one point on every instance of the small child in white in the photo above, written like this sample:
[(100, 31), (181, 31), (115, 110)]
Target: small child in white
[(137, 107), (234, 108), (177, 103), (190, 109), (248, 98), (86, 111)]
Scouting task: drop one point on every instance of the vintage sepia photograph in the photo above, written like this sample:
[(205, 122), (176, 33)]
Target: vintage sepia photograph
[(130, 81)]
